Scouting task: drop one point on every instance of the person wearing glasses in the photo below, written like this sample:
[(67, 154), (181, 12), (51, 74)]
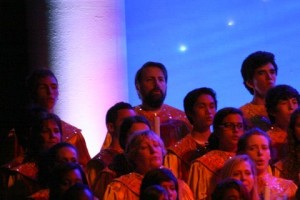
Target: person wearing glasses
[(228, 126), (259, 72)]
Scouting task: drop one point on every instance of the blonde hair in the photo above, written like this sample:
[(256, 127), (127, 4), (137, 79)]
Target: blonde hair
[(134, 142), (232, 163)]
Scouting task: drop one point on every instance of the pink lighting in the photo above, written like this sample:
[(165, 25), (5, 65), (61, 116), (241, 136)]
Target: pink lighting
[(88, 56)]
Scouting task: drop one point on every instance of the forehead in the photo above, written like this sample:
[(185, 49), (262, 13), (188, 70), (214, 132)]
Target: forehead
[(123, 113), (148, 139), (268, 66), (234, 117), (66, 150), (139, 126), (257, 139), (167, 183), (243, 165), (152, 71), (205, 98), (50, 123), (47, 80)]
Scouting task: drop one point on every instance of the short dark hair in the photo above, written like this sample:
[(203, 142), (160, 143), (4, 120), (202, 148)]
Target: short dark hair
[(254, 61), (126, 125), (139, 73), (76, 191), (153, 192), (191, 98), (230, 183), (48, 161), (58, 173), (218, 120), (224, 112), (157, 176), (277, 93), (33, 79), (112, 113)]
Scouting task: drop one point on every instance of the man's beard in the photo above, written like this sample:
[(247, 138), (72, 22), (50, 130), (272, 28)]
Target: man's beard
[(154, 100)]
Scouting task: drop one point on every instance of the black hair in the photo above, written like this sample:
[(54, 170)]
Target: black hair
[(191, 98), (254, 61)]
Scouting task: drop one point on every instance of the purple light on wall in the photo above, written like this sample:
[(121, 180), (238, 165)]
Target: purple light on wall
[(88, 55)]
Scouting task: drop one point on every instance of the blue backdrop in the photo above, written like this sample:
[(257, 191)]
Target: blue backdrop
[(203, 43)]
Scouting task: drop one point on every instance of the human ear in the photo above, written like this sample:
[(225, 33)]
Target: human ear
[(250, 84), (110, 127)]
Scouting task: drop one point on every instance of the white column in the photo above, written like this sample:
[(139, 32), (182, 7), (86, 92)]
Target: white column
[(88, 55)]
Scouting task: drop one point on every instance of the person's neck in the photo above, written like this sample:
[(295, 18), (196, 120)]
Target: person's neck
[(228, 148), (262, 173), (258, 100), (282, 126), (115, 145), (149, 108), (201, 135)]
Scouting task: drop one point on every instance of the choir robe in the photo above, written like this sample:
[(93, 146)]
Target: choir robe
[(181, 155), (204, 173)]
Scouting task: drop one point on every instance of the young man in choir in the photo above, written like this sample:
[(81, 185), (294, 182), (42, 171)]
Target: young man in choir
[(259, 72), (114, 118), (200, 107), (43, 90), (281, 102)]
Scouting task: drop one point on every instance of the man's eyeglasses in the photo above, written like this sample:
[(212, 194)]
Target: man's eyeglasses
[(230, 125)]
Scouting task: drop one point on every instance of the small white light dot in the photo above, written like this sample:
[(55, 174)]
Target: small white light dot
[(182, 48), (230, 23)]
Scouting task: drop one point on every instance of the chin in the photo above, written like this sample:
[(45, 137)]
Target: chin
[(156, 165)]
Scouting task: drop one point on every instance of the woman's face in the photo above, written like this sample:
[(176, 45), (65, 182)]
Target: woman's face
[(297, 128), (50, 134), (67, 154), (70, 178), (259, 151), (149, 155), (244, 173), (231, 130), (170, 188)]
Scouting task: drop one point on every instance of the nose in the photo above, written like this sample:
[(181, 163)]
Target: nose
[(270, 76), (51, 134), (208, 110), (235, 128), (169, 193), (54, 134), (156, 82), (292, 105), (242, 177), (152, 149), (49, 90), (259, 152)]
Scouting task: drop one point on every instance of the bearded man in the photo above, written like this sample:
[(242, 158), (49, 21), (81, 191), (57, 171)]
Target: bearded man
[(151, 85)]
